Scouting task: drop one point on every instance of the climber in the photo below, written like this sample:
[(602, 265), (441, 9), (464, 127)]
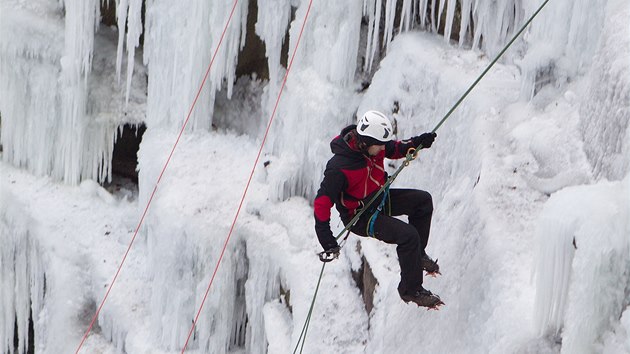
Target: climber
[(353, 176)]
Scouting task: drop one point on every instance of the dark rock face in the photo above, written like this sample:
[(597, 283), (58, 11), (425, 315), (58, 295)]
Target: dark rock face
[(366, 282), (125, 159)]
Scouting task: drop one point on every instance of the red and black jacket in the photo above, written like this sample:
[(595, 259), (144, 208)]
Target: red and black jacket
[(350, 179)]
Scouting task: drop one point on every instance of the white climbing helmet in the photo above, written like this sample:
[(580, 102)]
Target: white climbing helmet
[(375, 125)]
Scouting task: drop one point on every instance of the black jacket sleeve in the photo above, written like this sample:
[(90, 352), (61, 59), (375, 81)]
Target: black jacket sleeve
[(397, 149), (329, 191)]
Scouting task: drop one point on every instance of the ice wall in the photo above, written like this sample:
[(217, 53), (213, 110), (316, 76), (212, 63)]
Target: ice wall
[(78, 139), (60, 107), (583, 260), (185, 238), (181, 268), (29, 99), (605, 112)]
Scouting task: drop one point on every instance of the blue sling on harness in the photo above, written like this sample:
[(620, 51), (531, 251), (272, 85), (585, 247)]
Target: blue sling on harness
[(370, 230)]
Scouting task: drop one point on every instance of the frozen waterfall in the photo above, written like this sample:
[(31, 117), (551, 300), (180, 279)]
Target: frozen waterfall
[(529, 177)]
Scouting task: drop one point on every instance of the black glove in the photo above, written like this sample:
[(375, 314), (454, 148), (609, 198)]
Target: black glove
[(332, 249), (330, 254), (425, 139)]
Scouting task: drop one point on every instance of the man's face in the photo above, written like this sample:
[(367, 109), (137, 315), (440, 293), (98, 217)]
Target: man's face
[(373, 150)]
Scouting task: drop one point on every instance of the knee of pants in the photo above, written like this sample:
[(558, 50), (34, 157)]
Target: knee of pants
[(409, 237), (426, 201)]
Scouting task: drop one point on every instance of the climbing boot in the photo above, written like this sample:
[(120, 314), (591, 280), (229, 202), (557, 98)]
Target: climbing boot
[(423, 297), (430, 266)]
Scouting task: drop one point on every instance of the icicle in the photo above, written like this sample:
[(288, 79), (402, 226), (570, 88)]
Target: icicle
[(373, 34), (433, 20), (262, 286), (553, 272), (406, 16), (271, 27), (582, 263), (336, 47), (134, 30), (422, 7), (440, 12), (390, 14), (76, 64), (476, 19), (368, 9), (450, 16), (122, 7), (21, 276), (465, 20)]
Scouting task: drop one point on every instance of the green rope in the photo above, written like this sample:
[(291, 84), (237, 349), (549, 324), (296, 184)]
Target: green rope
[(310, 312), (411, 155)]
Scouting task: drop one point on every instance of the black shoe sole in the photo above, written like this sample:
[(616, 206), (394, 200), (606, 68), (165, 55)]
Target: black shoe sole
[(435, 305)]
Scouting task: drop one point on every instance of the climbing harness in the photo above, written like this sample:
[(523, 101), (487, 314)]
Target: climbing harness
[(332, 254), (411, 155), (372, 221)]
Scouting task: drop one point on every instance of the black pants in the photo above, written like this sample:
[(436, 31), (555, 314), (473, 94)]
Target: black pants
[(411, 238)]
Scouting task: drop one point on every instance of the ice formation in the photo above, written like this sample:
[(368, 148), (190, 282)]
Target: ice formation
[(22, 277), (55, 121), (177, 51), (583, 267)]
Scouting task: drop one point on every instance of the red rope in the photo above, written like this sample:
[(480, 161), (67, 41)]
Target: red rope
[(146, 209), (273, 114)]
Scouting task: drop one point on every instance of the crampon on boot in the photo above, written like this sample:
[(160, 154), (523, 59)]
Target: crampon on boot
[(423, 297), (430, 266)]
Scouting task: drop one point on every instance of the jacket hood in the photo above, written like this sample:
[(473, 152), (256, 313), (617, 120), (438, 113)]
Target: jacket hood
[(346, 143)]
